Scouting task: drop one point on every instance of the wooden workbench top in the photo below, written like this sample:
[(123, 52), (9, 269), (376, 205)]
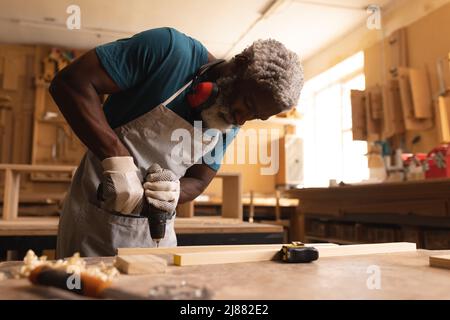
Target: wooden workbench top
[(403, 276), (195, 225)]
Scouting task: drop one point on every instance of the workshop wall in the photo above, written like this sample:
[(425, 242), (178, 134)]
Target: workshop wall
[(399, 14), (252, 177), (32, 130), (426, 43)]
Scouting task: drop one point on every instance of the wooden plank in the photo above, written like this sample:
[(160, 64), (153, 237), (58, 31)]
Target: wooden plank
[(398, 51), (421, 94), (192, 249), (222, 257), (185, 210), (406, 98), (359, 126), (442, 261), (388, 113), (363, 249), (373, 127), (48, 226), (6, 137), (11, 73), (297, 224), (237, 256), (140, 264), (11, 195), (242, 227), (232, 196), (443, 119)]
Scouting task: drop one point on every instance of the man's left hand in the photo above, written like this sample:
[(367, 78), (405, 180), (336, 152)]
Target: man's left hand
[(162, 188)]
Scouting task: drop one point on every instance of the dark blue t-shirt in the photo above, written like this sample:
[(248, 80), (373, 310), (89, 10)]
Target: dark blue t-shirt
[(149, 67)]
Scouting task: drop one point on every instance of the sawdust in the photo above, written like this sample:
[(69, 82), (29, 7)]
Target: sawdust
[(74, 264)]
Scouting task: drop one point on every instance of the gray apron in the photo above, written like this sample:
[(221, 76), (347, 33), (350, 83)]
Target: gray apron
[(85, 227)]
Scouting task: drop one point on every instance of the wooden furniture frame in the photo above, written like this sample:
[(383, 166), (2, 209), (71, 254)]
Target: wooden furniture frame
[(11, 186), (231, 198)]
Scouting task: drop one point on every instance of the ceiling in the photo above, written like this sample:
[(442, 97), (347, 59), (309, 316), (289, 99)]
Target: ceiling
[(224, 27)]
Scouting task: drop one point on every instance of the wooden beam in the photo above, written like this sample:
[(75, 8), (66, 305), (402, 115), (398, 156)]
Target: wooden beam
[(231, 195), (11, 195), (191, 249), (140, 264), (185, 210), (236, 256), (222, 257), (364, 249), (442, 261)]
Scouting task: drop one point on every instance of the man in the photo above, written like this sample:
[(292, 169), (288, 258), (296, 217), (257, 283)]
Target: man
[(130, 139)]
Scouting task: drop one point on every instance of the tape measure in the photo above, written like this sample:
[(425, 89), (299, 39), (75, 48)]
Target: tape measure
[(297, 252)]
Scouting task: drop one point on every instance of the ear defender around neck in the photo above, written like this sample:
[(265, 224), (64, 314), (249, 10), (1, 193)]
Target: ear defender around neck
[(203, 95)]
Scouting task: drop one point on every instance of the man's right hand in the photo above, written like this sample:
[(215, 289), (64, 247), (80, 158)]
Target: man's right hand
[(122, 189)]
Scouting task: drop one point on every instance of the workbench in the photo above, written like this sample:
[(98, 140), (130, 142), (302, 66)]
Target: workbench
[(40, 233), (403, 276), (413, 211)]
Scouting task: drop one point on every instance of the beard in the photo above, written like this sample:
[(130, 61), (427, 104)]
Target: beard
[(218, 116)]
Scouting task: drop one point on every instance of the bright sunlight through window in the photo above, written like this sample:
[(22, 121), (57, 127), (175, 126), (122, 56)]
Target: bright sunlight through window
[(326, 126)]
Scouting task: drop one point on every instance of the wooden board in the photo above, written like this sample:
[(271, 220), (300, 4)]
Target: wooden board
[(192, 249), (443, 119), (359, 127), (140, 264), (408, 104), (442, 261), (231, 195), (237, 256), (421, 93), (404, 275), (185, 210), (398, 49), (11, 73), (393, 120), (49, 226), (373, 126), (221, 257)]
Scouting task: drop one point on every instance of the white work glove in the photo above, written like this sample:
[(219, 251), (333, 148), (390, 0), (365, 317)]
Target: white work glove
[(162, 188), (121, 186)]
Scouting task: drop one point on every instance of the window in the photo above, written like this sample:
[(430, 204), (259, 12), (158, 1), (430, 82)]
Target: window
[(326, 127)]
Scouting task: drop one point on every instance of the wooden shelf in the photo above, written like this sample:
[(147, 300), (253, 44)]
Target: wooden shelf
[(330, 240), (48, 226)]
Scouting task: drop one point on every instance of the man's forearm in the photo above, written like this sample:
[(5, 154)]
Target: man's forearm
[(190, 188), (81, 107)]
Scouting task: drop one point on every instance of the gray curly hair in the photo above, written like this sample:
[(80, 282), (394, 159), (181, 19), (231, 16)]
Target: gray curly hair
[(275, 68)]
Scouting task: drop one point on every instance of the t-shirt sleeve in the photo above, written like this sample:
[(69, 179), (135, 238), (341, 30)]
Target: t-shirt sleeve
[(129, 61), (213, 159)]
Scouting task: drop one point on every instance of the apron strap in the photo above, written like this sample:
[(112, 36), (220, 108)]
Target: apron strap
[(176, 94)]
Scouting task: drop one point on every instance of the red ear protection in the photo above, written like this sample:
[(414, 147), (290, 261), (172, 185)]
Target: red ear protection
[(202, 95)]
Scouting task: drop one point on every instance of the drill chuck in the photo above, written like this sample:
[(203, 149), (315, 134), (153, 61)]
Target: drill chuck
[(157, 223)]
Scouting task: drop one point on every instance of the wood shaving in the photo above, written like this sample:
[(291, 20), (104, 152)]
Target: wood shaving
[(74, 264)]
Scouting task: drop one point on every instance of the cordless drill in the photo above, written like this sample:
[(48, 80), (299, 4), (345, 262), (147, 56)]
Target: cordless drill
[(156, 222)]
